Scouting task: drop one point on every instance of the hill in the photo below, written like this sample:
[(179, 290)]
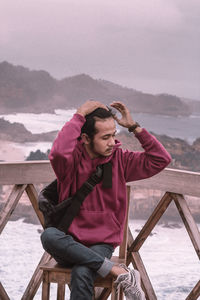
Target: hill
[(24, 90)]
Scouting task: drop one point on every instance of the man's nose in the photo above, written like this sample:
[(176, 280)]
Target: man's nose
[(111, 141)]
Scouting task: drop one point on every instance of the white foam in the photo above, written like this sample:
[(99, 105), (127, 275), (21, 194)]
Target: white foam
[(168, 255), (44, 122)]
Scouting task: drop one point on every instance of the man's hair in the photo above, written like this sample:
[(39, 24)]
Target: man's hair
[(89, 125)]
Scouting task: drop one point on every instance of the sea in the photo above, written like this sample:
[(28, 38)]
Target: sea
[(183, 127), (168, 255)]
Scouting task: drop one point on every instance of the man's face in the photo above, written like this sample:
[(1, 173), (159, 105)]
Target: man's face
[(104, 140)]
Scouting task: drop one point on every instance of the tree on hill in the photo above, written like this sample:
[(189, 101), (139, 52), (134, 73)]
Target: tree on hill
[(38, 155)]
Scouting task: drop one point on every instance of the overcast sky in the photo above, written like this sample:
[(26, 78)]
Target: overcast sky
[(149, 45)]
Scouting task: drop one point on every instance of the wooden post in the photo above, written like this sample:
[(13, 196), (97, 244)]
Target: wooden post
[(195, 293), (32, 194), (36, 279), (45, 286), (151, 222), (188, 221), (138, 264), (61, 291), (3, 294), (10, 205)]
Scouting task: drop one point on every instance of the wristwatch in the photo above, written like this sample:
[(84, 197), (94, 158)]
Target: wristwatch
[(133, 127)]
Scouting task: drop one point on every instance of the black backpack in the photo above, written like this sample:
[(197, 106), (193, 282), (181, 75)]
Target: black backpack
[(61, 215)]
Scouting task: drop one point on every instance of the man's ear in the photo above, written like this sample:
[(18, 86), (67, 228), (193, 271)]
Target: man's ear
[(85, 138)]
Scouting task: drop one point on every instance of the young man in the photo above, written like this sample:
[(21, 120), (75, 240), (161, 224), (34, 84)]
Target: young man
[(98, 228)]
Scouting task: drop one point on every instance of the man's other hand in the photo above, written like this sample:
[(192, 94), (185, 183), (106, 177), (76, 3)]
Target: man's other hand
[(89, 106)]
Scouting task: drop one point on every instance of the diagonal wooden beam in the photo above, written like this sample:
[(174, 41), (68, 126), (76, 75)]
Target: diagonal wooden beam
[(195, 293), (188, 221), (33, 196), (137, 262), (10, 204), (36, 279), (150, 224), (3, 294), (102, 294), (146, 283)]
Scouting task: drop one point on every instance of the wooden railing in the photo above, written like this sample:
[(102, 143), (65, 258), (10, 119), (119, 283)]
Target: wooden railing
[(23, 176)]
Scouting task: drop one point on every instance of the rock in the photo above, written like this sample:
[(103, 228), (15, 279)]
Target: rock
[(196, 145), (171, 225)]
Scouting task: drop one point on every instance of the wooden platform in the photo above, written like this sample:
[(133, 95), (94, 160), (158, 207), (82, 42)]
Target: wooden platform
[(23, 176)]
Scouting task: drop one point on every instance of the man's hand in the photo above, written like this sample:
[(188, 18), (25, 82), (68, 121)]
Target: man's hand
[(126, 118), (88, 107)]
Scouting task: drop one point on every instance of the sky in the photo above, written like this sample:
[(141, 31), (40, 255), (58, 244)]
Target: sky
[(148, 45)]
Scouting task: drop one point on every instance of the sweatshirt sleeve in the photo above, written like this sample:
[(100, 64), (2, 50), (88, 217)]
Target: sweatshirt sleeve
[(62, 155), (141, 165)]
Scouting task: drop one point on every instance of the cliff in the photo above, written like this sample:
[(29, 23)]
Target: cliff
[(24, 90), (16, 132)]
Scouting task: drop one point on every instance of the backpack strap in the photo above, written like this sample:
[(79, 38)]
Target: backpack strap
[(102, 172), (78, 198)]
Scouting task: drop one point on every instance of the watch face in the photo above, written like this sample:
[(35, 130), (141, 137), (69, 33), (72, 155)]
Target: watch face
[(132, 128)]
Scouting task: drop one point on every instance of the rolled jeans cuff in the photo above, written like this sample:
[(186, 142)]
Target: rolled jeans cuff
[(105, 268)]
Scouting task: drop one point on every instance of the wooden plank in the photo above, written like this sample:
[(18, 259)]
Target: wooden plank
[(3, 294), (26, 172), (137, 263), (188, 221), (176, 181), (151, 222), (10, 204), (36, 279), (195, 293), (172, 180), (33, 196)]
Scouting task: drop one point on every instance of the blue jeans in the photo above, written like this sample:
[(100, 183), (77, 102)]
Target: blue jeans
[(86, 262)]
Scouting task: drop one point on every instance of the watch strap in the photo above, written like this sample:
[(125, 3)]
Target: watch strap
[(133, 127)]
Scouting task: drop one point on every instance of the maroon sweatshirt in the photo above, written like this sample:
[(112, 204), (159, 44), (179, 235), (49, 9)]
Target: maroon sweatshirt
[(102, 214)]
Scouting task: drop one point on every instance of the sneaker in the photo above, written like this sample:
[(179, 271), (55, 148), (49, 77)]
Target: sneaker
[(130, 283)]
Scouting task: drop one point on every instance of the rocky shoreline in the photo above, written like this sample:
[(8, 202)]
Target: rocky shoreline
[(184, 155)]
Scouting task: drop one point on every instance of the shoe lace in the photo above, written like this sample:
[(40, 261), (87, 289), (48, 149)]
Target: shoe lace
[(133, 288), (120, 282)]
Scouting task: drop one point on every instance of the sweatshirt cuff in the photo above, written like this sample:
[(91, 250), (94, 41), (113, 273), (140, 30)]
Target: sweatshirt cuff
[(79, 117), (143, 135)]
